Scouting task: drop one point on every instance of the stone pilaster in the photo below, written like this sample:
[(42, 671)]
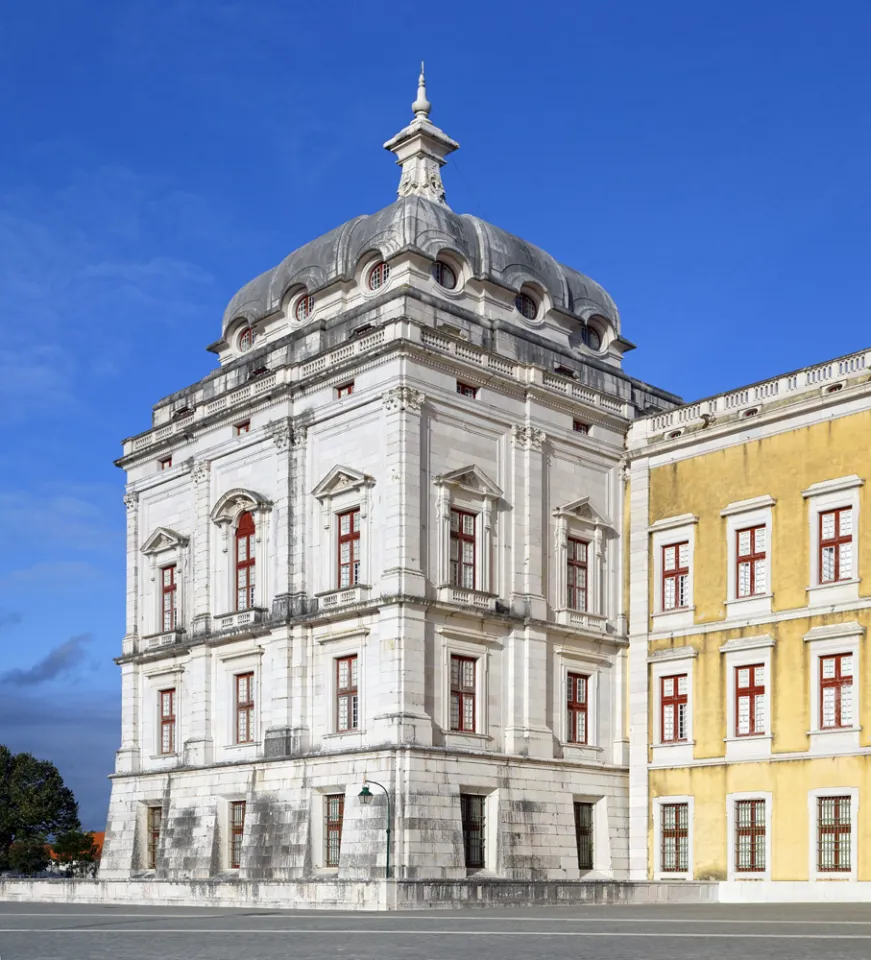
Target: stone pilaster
[(199, 745), (528, 546), (127, 757), (131, 631), (282, 436), (526, 666), (201, 609)]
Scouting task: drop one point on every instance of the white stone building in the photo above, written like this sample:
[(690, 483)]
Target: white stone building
[(383, 540)]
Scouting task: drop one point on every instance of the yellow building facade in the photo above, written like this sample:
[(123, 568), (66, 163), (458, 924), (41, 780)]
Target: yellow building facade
[(749, 581)]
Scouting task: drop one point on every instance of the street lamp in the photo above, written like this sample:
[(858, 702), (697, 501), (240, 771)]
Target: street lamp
[(366, 796)]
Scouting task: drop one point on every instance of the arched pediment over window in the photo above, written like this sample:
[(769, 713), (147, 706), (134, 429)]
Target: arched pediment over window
[(237, 501)]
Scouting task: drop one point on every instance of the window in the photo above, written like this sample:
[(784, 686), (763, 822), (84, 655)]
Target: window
[(591, 337), (577, 574), (304, 307), (237, 830), (673, 703), (444, 275), (166, 709), (244, 707), (166, 463), (246, 339), (472, 814), (833, 835), (155, 817), (466, 391), (168, 592), (349, 548), (463, 549), (576, 698), (334, 806), (836, 545), (750, 557), (836, 691), (345, 390), (674, 828), (526, 306), (347, 697), (580, 427), (245, 561), (750, 836), (749, 700), (378, 275), (584, 834), (241, 428), (463, 693), (675, 575)]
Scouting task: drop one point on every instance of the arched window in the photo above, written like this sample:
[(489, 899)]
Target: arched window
[(378, 275), (245, 562), (246, 339), (304, 306), (526, 306), (592, 338)]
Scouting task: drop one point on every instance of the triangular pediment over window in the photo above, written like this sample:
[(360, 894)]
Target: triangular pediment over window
[(470, 478), (582, 510), (163, 539), (234, 502), (340, 479)]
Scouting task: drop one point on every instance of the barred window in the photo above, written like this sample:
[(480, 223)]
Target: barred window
[(577, 574), (334, 807), (463, 694), (237, 830), (836, 691), (750, 557), (584, 834), (577, 687), (750, 700), (166, 710), (836, 545), (674, 854), (674, 704), (750, 836), (675, 576), (472, 814), (834, 826), (244, 708), (463, 549), (347, 696), (155, 818)]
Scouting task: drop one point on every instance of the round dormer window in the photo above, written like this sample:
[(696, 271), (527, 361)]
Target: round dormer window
[(378, 275), (526, 306), (304, 307), (592, 338), (246, 339), (444, 275)]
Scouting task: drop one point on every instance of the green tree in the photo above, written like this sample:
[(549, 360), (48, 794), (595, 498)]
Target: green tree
[(29, 855), (34, 803), (76, 852)]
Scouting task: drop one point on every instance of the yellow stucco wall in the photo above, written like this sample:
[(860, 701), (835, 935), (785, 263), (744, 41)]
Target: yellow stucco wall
[(780, 466)]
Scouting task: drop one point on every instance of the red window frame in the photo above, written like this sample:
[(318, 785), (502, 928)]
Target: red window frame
[(754, 556), (463, 693), (674, 837), (675, 573), (840, 682), (466, 390), (237, 831), (347, 694), (245, 707), (334, 815), (168, 598), (345, 390), (577, 573), (245, 561), (751, 691), (166, 713), (835, 543), (671, 697), (378, 275), (834, 834), (750, 836), (349, 548), (241, 428), (246, 339), (577, 699), (155, 819), (166, 463), (464, 571), (580, 427), (304, 307)]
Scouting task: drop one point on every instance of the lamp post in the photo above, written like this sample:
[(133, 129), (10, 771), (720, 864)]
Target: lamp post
[(365, 796)]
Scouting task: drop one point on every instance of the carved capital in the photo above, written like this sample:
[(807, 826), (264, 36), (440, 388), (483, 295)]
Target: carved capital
[(403, 398), (281, 433), (625, 469), (200, 471), (131, 501), (526, 437)]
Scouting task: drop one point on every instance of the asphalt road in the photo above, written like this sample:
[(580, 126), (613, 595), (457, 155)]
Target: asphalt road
[(799, 932)]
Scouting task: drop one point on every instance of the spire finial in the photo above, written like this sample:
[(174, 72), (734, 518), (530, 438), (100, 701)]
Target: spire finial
[(421, 106)]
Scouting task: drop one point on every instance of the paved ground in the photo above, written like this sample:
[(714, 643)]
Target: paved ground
[(796, 932)]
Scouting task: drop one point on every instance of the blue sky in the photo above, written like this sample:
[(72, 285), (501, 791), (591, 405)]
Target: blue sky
[(708, 163)]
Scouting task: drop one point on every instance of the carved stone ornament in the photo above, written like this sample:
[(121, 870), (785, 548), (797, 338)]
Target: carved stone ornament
[(526, 437), (422, 177), (200, 471), (281, 433), (403, 398), (131, 500)]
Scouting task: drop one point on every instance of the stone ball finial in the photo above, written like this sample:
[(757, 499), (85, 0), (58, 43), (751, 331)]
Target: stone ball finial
[(421, 106)]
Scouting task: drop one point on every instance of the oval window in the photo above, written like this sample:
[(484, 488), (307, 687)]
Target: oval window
[(304, 307), (444, 275), (246, 339), (526, 306), (378, 275), (592, 338)]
